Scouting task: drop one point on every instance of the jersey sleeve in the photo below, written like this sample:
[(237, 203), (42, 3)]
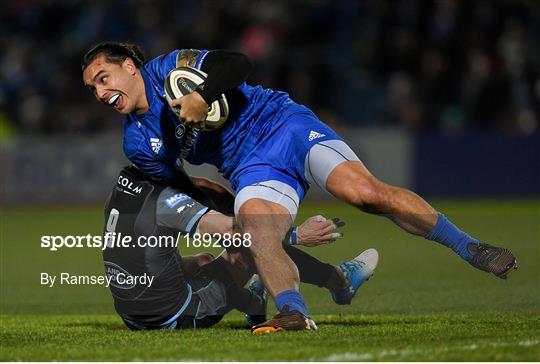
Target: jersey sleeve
[(159, 67), (226, 70), (191, 58), (178, 211)]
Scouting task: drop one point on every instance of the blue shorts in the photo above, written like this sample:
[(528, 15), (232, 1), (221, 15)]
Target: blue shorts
[(282, 155)]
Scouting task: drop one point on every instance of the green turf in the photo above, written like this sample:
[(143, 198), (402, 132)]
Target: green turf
[(424, 303)]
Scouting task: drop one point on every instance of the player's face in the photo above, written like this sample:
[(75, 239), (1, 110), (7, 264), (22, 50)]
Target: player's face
[(113, 84)]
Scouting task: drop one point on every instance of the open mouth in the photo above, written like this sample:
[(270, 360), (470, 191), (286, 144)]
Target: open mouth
[(115, 100)]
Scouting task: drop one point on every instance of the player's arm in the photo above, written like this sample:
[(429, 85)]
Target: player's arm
[(313, 232), (201, 191), (223, 198), (226, 70), (212, 194)]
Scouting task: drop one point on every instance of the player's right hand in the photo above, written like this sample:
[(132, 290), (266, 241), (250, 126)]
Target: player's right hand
[(193, 109), (318, 230)]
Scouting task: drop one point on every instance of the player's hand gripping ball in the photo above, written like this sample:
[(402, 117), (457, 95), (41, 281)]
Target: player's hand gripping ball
[(182, 81)]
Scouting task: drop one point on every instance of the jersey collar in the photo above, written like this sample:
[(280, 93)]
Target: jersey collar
[(149, 91)]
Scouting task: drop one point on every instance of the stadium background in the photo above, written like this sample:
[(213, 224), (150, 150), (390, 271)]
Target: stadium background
[(427, 92), (442, 97)]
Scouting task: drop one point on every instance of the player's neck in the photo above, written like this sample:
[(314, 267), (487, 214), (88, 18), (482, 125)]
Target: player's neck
[(142, 105)]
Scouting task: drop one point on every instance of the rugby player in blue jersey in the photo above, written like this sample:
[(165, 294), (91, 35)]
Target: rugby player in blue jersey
[(271, 150)]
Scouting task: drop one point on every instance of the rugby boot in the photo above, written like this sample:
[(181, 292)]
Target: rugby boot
[(285, 320), (499, 261), (356, 272)]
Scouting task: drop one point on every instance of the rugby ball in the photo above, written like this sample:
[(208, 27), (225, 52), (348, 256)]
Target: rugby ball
[(182, 81)]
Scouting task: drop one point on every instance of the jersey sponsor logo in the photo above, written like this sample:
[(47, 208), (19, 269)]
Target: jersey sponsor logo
[(176, 199), (183, 207), (117, 276), (314, 135), (128, 184), (180, 131), (188, 143), (156, 144)]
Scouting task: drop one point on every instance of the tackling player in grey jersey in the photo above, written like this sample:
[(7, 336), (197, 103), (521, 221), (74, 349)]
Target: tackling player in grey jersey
[(196, 291)]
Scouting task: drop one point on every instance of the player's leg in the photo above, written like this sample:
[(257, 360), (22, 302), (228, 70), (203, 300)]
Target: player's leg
[(331, 162), (231, 270), (313, 271), (192, 263), (343, 280), (216, 298), (268, 223), (236, 266), (364, 191), (266, 210)]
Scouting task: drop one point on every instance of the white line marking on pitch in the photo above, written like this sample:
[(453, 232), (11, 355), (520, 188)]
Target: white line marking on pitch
[(409, 352)]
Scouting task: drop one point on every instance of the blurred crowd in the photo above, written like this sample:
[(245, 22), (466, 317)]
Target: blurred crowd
[(421, 65)]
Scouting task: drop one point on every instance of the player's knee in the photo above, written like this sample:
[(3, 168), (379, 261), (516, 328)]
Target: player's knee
[(266, 223), (366, 194), (353, 183)]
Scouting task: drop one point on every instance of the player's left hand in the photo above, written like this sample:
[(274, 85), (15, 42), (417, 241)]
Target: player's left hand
[(318, 230), (193, 109)]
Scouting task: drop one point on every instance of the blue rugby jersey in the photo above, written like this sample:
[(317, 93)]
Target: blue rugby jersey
[(156, 141)]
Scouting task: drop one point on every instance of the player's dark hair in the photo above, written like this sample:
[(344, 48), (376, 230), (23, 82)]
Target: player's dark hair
[(115, 52)]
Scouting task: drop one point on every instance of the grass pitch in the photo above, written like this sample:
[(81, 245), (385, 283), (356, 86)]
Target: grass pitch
[(423, 303)]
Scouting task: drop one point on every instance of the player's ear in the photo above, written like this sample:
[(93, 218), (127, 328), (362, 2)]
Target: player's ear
[(129, 66)]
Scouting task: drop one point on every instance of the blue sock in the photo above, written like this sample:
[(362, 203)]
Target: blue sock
[(448, 234), (293, 299)]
